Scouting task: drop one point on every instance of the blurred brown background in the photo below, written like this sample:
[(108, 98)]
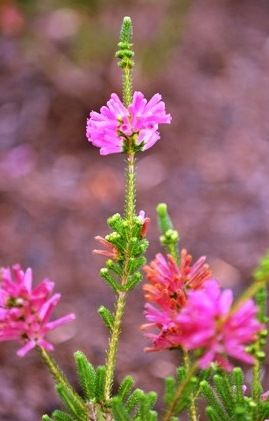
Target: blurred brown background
[(210, 60)]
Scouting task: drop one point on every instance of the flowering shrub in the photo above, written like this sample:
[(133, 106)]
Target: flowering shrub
[(186, 310)]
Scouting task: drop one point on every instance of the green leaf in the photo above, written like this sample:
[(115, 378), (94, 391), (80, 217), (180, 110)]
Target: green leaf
[(118, 410), (152, 416), (114, 266), (134, 400), (61, 416), (71, 403), (104, 273), (125, 387), (170, 388), (135, 263), (213, 401), (107, 316), (225, 392), (238, 380), (86, 374), (180, 374), (212, 415), (46, 418), (133, 280), (100, 383), (146, 405)]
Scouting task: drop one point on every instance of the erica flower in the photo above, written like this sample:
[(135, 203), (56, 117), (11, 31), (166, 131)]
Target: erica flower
[(166, 332), (109, 250), (117, 127), (168, 282), (25, 312), (145, 221), (206, 322)]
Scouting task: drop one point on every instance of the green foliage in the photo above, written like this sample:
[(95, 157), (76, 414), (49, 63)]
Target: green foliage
[(60, 416), (86, 375), (136, 406), (172, 385), (127, 404), (117, 269), (100, 383), (227, 401), (71, 404), (169, 236), (92, 384), (261, 274), (107, 316)]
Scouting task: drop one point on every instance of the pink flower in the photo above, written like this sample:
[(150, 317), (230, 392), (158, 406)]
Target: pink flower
[(168, 282), (168, 333), (117, 126), (25, 312), (206, 322), (145, 221), (109, 250)]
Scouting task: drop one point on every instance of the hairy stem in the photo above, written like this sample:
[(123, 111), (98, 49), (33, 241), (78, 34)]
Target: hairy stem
[(58, 375), (256, 382), (127, 85), (126, 65), (192, 410), (121, 301)]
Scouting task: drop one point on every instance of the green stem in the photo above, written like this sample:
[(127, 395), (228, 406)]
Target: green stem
[(256, 384), (192, 410), (126, 64), (181, 388), (127, 85), (249, 293), (121, 301), (173, 250), (58, 375)]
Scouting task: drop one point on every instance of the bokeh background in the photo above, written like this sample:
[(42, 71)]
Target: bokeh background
[(210, 60)]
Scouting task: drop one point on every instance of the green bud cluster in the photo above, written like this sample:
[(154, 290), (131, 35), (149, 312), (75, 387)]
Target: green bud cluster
[(169, 236), (125, 53)]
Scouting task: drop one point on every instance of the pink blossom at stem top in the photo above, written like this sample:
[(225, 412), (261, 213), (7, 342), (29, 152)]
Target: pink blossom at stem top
[(118, 128), (25, 312)]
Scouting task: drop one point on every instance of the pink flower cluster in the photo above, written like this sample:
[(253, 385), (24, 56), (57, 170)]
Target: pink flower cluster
[(117, 125), (169, 282), (193, 313), (25, 312)]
